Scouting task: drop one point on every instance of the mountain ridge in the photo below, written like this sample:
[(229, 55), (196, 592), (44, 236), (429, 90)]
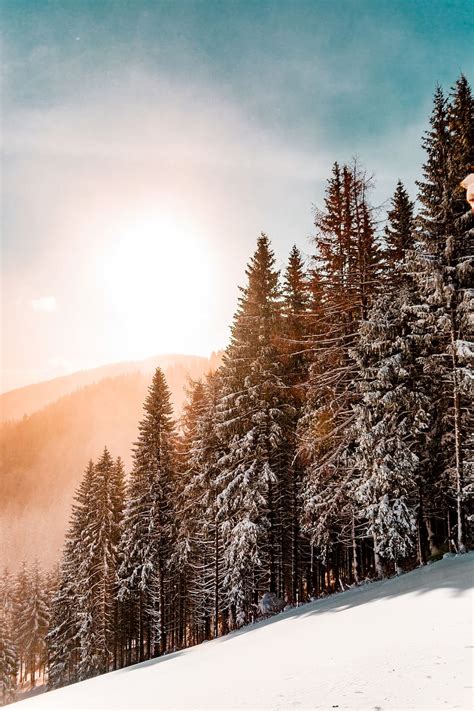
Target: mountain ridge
[(43, 455), (27, 399)]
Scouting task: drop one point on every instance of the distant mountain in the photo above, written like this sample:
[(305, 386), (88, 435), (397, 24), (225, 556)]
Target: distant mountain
[(43, 455), (26, 400)]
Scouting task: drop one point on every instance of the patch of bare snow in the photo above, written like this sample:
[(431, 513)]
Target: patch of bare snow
[(403, 643)]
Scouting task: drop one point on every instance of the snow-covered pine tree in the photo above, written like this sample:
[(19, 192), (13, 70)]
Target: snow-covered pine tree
[(146, 542), (63, 639), (191, 541), (347, 263), (119, 625), (461, 129), (20, 595), (460, 253), (399, 236), (252, 412), (445, 279), (295, 354), (392, 417), (97, 572), (198, 548), (32, 621), (8, 647), (435, 190), (207, 458)]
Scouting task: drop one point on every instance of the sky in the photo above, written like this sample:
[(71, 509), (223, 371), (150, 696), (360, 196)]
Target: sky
[(147, 143)]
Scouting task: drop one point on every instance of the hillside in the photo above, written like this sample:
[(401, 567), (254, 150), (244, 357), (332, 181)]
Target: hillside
[(400, 643), (43, 456), (24, 401)]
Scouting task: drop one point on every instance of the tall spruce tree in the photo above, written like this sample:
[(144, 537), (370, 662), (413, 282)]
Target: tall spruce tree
[(82, 639), (393, 415), (435, 191), (445, 262), (199, 530), (461, 128), (98, 568), (8, 647), (32, 621), (63, 639), (252, 410), (348, 265), (62, 642), (147, 538), (399, 234), (295, 353), (117, 500)]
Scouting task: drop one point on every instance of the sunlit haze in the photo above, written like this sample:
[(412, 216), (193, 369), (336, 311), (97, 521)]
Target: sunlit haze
[(147, 144), (158, 274)]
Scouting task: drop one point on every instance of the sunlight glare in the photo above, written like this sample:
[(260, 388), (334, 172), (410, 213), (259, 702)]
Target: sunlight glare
[(158, 281)]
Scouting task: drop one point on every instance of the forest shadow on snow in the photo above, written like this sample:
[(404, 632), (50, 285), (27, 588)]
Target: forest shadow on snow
[(455, 573)]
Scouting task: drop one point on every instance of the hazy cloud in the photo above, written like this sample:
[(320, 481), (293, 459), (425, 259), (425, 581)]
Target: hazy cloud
[(44, 303)]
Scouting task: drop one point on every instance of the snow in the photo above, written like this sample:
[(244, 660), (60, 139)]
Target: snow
[(403, 643)]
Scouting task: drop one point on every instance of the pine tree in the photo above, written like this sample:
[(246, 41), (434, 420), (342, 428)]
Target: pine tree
[(252, 412), (199, 530), (391, 422), (83, 637), (436, 216), (8, 662), (295, 353), (20, 599), (33, 622), (8, 649), (460, 122), (445, 261), (119, 611), (399, 234), (98, 569), (393, 415), (63, 639), (460, 254), (347, 263), (146, 542)]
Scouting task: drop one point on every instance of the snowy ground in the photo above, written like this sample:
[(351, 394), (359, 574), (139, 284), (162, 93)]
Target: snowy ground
[(404, 643)]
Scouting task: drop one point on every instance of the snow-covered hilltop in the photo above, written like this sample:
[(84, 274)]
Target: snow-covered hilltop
[(404, 643)]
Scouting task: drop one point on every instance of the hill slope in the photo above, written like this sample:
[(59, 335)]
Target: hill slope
[(400, 643), (43, 456), (24, 401)]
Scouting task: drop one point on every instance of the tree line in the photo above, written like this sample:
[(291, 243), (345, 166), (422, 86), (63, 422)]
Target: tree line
[(334, 443)]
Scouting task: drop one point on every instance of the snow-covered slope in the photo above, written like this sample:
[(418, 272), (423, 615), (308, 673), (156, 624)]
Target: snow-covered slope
[(404, 643)]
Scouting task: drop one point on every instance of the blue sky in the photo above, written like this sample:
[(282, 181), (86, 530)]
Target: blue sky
[(227, 115), (290, 63)]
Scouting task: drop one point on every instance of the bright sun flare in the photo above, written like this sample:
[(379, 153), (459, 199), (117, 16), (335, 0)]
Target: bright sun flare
[(158, 279)]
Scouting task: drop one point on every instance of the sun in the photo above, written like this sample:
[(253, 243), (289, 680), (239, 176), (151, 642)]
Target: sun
[(157, 278)]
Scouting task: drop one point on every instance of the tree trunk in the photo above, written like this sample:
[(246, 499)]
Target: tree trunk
[(458, 463), (419, 541), (140, 628), (355, 568), (434, 550), (162, 611), (296, 560), (272, 538), (32, 671), (216, 581), (377, 560)]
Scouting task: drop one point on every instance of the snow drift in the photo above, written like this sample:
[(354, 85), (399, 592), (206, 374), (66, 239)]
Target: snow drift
[(403, 643)]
